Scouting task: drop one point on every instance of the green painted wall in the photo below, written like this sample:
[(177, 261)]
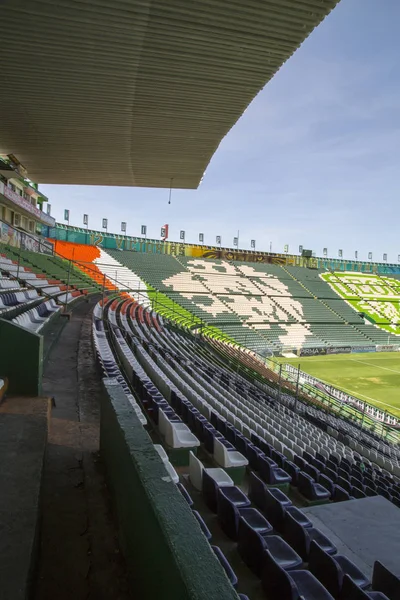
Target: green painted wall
[(21, 359), (166, 552)]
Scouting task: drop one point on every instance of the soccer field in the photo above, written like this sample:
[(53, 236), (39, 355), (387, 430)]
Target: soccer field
[(374, 377)]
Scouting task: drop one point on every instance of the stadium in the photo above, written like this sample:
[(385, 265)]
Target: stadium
[(179, 420)]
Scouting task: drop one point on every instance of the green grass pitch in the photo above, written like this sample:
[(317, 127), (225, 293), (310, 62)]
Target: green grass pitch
[(374, 377)]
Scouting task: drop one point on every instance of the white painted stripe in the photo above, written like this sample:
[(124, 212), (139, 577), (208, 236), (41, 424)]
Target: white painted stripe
[(364, 362), (373, 400)]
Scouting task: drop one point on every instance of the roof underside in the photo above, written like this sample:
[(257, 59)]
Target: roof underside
[(136, 92)]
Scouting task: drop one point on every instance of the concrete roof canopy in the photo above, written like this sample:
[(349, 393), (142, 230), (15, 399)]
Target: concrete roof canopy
[(137, 92)]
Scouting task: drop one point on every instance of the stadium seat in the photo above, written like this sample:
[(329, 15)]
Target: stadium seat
[(196, 470), (351, 591), (310, 490), (300, 538), (211, 485), (385, 581), (252, 545), (202, 524), (290, 585), (228, 458), (226, 566), (271, 473), (229, 514), (330, 570)]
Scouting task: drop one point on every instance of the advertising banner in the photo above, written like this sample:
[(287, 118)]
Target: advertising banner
[(339, 350), (312, 351), (27, 205), (362, 349), (387, 348)]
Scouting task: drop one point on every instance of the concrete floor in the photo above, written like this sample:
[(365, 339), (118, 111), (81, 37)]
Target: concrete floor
[(79, 555)]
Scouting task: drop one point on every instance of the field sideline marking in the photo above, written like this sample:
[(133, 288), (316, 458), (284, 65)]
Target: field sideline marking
[(367, 397), (363, 362)]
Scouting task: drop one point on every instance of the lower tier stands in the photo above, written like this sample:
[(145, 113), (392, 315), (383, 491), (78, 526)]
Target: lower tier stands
[(244, 453), (29, 298)]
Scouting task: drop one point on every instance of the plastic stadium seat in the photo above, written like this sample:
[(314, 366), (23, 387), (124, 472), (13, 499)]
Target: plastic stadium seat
[(228, 458), (345, 484), (210, 493), (351, 591), (202, 524), (229, 514), (252, 545), (385, 581), (357, 493), (196, 470), (300, 537), (290, 585), (300, 462), (185, 493), (330, 570), (340, 495), (293, 470), (257, 492), (226, 566), (311, 490), (253, 454), (327, 483), (271, 473), (298, 516)]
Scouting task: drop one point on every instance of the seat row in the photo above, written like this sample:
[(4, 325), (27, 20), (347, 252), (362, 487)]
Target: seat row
[(36, 318), (230, 504)]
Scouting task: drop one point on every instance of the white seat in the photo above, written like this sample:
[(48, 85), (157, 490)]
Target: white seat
[(228, 458), (171, 472), (160, 450), (178, 435), (196, 474)]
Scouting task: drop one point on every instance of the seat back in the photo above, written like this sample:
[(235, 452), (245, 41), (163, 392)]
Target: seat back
[(295, 535), (195, 471), (305, 485), (351, 591), (257, 492), (385, 581), (327, 483), (325, 569), (162, 422), (276, 582), (220, 453), (250, 546)]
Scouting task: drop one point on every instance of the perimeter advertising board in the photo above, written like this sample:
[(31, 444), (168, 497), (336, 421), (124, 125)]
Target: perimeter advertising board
[(339, 350), (312, 351), (362, 349), (387, 348)]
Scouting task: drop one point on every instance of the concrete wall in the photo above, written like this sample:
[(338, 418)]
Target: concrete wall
[(21, 359), (166, 553)]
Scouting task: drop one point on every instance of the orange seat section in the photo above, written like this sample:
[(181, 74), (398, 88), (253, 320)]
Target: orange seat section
[(83, 257)]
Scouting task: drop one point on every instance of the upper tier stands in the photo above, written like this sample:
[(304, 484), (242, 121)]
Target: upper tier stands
[(267, 307), (374, 295), (282, 308), (195, 400)]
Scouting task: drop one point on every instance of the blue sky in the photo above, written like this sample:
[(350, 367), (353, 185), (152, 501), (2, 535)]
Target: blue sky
[(313, 161)]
